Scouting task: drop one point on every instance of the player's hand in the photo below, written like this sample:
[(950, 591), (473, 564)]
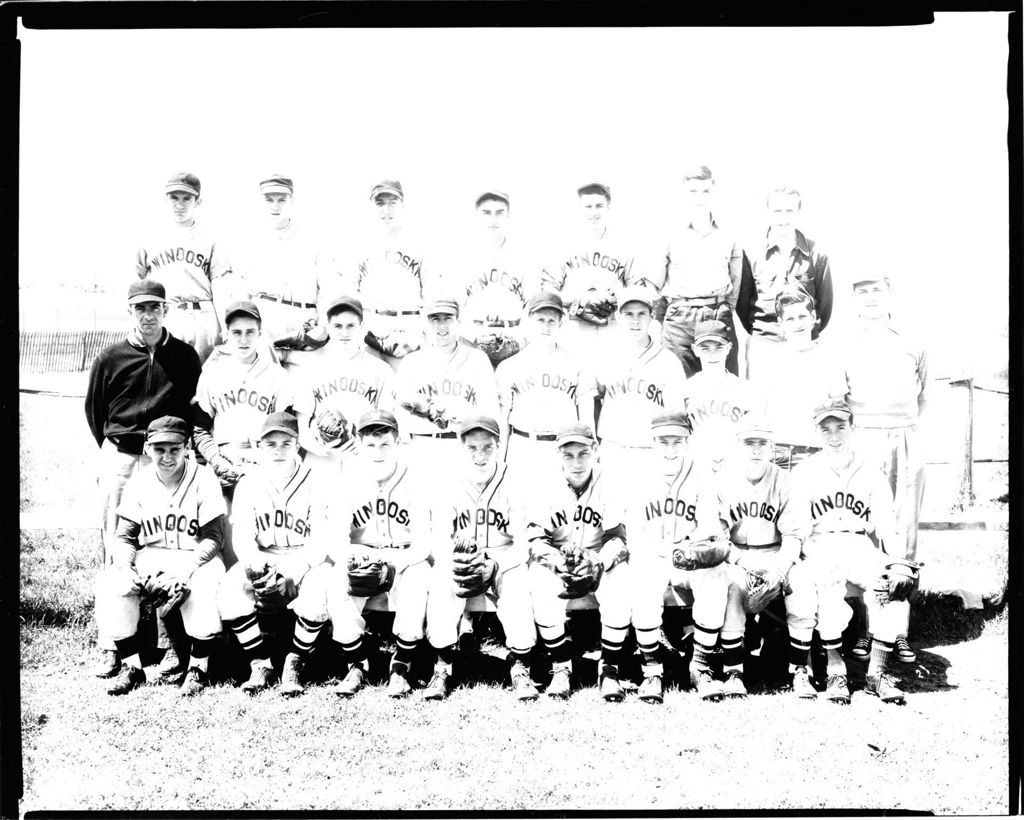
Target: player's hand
[(225, 470), (903, 576), (614, 552)]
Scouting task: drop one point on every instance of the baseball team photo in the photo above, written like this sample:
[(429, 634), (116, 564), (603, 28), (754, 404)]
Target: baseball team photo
[(514, 419)]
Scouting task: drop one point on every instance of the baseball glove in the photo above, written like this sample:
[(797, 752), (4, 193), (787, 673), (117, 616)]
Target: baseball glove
[(273, 590), (368, 576), (176, 596), (497, 346), (763, 587), (164, 591), (226, 472), (472, 571), (581, 575), (596, 306), (308, 337), (904, 577), (396, 344), (704, 554), (333, 427), (426, 408)]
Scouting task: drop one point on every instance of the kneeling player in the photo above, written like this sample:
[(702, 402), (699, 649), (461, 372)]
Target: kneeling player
[(676, 537), (475, 554), (840, 499), (754, 501), (168, 541), (384, 549), (577, 546), (279, 523)]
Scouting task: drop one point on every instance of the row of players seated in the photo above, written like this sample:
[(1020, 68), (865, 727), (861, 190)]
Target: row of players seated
[(438, 544)]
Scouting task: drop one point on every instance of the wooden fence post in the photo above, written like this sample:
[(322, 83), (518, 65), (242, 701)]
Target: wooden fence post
[(965, 488)]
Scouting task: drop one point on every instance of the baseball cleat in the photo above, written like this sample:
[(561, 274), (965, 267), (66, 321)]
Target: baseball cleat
[(522, 685), (437, 689), (352, 682), (291, 685), (733, 686), (611, 687), (128, 678), (651, 690), (559, 686), (903, 651), (882, 686), (195, 682), (707, 687), (108, 665), (802, 686), (837, 690), (171, 666), (260, 678), (862, 649), (398, 686)]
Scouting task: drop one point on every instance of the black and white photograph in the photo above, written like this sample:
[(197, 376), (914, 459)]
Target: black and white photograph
[(480, 417)]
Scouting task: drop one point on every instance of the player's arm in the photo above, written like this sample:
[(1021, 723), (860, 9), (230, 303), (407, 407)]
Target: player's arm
[(129, 526), (710, 522), (795, 521), (243, 523), (790, 530), (883, 517), (503, 378), (211, 515), (922, 376), (747, 297), (142, 266), (539, 532), (95, 401), (588, 389), (221, 282), (735, 274), (486, 382)]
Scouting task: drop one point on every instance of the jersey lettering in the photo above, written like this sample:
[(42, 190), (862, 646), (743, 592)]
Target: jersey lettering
[(481, 517), (841, 501), (642, 387), (716, 407), (501, 278), (258, 401), (344, 384), (598, 260), (187, 256), (382, 508), (170, 523), (669, 507), (754, 509)]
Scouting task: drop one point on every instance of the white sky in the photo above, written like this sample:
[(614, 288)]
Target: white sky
[(896, 136)]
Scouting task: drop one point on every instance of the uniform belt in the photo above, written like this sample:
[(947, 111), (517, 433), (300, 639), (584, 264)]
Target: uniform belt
[(193, 304), (758, 546), (271, 298), (396, 312), (845, 532), (797, 449), (535, 436), (700, 300), (496, 323), (439, 434)]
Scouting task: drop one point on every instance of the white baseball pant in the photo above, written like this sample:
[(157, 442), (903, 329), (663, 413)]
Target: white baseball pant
[(899, 452), (199, 328), (407, 598), (236, 597), (801, 602), (652, 573), (613, 596)]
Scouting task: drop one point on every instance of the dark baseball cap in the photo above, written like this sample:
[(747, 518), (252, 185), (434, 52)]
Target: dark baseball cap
[(280, 423), (387, 186), (710, 330), (277, 184), (377, 418), (596, 187), (244, 307), (833, 408), (183, 181), (675, 423), (344, 303), (167, 430), (545, 299), (442, 304), (485, 423), (637, 293), (578, 432), (501, 195), (146, 290)]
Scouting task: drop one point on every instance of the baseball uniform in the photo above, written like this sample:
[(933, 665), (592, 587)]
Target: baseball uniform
[(715, 403)]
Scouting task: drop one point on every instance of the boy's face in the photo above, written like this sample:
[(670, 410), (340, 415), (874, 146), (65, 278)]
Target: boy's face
[(873, 300), (697, 195), (835, 435), (243, 334), (279, 208), (594, 208), (148, 317), (543, 324), (635, 317), (182, 206), (759, 451), (796, 322), (577, 462), (712, 352), (346, 329), (169, 457), (278, 448), (783, 211), (670, 450), (380, 451), (443, 329), (389, 209), (481, 449), (493, 215)]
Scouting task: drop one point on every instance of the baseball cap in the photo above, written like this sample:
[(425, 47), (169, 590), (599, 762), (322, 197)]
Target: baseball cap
[(545, 299), (244, 307), (578, 432), (637, 293), (493, 195), (277, 184), (671, 424), (146, 290), (711, 329), (754, 425), (346, 303), (833, 408), (604, 189), (376, 418), (387, 186), (167, 430), (183, 181), (442, 304), (280, 423), (485, 423), (861, 278)]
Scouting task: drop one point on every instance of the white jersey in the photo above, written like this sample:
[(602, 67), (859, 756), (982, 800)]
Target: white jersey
[(461, 382), (389, 274), (591, 263), (490, 283), (757, 513), (538, 389), (186, 261), (171, 517), (715, 404), (559, 517), (634, 386)]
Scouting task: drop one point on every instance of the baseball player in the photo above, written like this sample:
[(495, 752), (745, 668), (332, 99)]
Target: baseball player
[(340, 384), (440, 385), (234, 395), (754, 502), (168, 539), (579, 520), (385, 552), (389, 278), (795, 378), (280, 534), (884, 376), (716, 400), (479, 549), (674, 507), (701, 277), (285, 270), (538, 390), (491, 283), (786, 258), (148, 374), (192, 266), (840, 498), (636, 382)]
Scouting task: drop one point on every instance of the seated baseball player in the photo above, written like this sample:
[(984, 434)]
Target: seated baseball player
[(577, 546), (234, 396), (383, 524), (676, 537), (167, 549), (340, 385), (475, 532), (280, 528), (754, 501), (840, 499)]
